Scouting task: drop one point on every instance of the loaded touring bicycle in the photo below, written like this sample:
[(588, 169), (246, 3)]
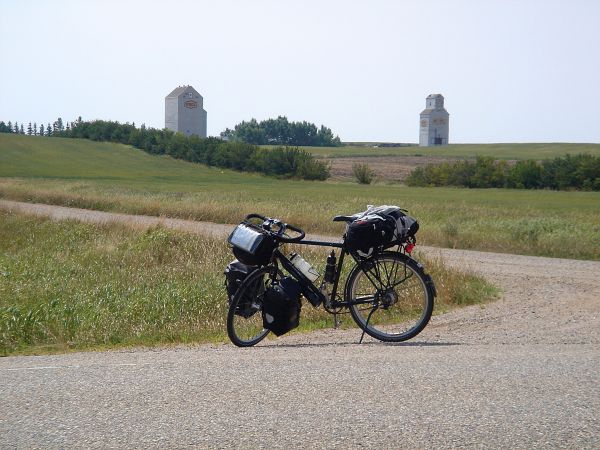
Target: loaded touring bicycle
[(388, 293)]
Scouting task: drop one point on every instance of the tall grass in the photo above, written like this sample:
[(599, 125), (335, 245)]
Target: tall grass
[(114, 177), (68, 285), (559, 224)]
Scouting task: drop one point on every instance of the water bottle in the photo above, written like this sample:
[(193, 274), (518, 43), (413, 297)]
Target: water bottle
[(330, 268), (304, 267)]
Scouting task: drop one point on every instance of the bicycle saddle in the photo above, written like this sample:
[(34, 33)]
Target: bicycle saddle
[(344, 219)]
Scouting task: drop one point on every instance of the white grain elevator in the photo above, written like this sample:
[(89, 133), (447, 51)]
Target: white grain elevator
[(434, 122), (184, 112)]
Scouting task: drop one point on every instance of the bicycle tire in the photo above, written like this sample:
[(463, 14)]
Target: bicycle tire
[(402, 297), (244, 318)]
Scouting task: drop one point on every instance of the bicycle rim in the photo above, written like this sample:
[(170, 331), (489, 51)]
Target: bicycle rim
[(244, 319), (400, 302)]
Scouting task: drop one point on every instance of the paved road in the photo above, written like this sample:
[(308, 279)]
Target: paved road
[(521, 372)]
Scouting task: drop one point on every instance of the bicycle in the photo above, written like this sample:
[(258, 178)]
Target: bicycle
[(388, 293)]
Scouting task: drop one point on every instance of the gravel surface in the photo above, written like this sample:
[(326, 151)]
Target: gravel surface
[(521, 372)]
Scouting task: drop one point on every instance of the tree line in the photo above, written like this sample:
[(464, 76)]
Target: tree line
[(281, 131), (281, 161), (580, 172), (34, 130)]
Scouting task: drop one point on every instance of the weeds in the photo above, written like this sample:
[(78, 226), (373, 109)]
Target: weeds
[(70, 285)]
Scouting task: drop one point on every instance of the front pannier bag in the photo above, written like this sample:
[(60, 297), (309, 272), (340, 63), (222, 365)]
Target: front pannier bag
[(251, 245), (281, 306), (235, 274)]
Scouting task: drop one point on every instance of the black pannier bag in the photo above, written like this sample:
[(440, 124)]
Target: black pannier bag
[(281, 306), (366, 234), (235, 273), (379, 227), (252, 245)]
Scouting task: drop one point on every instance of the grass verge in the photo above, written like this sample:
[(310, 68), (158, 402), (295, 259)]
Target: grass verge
[(114, 177), (69, 285)]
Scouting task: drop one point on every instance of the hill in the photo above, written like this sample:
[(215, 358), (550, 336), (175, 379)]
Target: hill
[(114, 177), (67, 158)]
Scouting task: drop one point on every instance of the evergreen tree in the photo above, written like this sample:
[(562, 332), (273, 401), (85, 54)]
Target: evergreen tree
[(21, 130), (35, 131), (68, 128), (41, 131), (48, 130), (29, 130), (59, 124), (16, 128), (281, 131), (10, 127)]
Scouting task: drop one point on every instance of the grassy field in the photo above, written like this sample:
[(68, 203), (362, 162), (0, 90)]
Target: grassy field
[(69, 285), (118, 178), (498, 151)]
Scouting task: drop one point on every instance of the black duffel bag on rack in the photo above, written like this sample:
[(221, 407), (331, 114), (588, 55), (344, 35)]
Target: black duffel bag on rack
[(379, 227)]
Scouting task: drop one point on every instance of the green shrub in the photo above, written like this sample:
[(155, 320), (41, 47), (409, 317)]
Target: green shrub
[(74, 285), (561, 173), (237, 155), (363, 173)]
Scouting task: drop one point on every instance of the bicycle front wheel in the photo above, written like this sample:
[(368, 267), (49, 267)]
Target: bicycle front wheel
[(394, 297), (244, 319)]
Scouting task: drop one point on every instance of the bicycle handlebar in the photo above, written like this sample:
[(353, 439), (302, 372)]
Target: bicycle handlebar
[(279, 235)]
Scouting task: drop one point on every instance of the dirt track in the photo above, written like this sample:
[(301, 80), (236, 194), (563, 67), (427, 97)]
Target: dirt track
[(521, 372)]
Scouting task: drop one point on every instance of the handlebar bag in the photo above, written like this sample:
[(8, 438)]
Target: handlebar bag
[(252, 245)]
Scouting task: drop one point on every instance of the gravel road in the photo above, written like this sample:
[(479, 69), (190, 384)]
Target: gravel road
[(522, 372)]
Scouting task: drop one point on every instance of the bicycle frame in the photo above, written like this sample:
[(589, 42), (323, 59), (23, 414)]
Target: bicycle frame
[(306, 283)]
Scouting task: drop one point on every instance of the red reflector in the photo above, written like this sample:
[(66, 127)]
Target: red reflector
[(409, 248)]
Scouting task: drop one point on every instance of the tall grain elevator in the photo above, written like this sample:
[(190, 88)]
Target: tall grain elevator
[(434, 122), (184, 112)]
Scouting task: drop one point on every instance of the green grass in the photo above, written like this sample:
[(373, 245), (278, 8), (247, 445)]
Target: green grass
[(114, 177), (69, 285), (498, 151)]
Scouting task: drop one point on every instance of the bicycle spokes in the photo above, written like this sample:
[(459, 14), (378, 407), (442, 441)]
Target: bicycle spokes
[(390, 298)]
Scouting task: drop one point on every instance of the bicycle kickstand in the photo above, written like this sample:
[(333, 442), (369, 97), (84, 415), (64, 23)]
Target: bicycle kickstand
[(367, 324)]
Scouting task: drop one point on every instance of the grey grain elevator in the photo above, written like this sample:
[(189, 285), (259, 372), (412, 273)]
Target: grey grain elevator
[(434, 122), (184, 112)]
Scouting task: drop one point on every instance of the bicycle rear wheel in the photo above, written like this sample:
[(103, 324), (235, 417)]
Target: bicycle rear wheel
[(397, 295), (244, 319)]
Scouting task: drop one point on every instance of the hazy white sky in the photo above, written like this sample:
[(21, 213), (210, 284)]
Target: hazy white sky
[(511, 71)]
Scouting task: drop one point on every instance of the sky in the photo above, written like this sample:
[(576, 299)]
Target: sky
[(510, 71)]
